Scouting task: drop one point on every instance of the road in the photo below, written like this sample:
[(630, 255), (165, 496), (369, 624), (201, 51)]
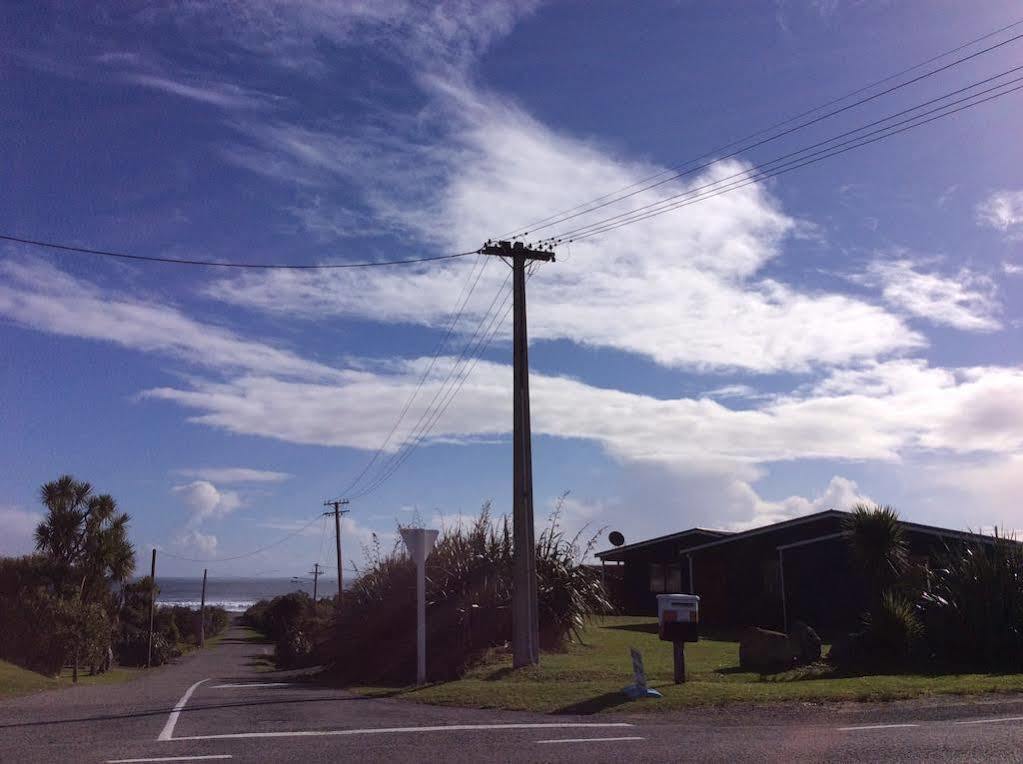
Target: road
[(222, 704)]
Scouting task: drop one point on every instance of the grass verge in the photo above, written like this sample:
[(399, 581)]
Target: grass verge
[(15, 680), (588, 678)]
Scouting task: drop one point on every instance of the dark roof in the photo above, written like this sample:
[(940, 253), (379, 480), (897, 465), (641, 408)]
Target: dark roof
[(661, 539), (914, 527)]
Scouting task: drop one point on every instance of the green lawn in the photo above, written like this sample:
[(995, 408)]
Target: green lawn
[(588, 678), (15, 680)]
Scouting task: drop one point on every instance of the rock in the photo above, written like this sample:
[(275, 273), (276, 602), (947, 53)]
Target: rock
[(806, 644), (760, 649)]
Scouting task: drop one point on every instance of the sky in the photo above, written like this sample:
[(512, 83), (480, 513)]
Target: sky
[(847, 331)]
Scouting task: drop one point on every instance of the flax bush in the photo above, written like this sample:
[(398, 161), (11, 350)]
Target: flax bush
[(468, 593)]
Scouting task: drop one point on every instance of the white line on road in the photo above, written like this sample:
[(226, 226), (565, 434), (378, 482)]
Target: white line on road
[(171, 758), (395, 730), (249, 684), (172, 720), (993, 721), (590, 739), (875, 727)]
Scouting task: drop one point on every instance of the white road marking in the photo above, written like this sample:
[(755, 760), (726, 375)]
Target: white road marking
[(249, 684), (993, 721), (590, 739), (171, 758), (875, 727), (396, 730), (172, 720)]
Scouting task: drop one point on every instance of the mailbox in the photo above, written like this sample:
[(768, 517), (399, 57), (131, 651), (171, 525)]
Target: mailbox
[(678, 617)]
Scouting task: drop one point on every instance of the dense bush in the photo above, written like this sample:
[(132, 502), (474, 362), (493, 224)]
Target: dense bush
[(133, 649), (893, 630), (973, 606), (468, 594), (295, 627)]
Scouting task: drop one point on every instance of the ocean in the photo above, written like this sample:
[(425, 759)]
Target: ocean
[(233, 594)]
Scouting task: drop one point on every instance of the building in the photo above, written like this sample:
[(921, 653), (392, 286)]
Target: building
[(769, 576)]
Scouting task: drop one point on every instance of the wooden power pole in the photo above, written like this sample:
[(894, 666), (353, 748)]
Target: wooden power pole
[(525, 614), (337, 512), (315, 573), (202, 612), (152, 608)]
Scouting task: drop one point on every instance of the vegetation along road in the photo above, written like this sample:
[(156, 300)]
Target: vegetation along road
[(225, 704)]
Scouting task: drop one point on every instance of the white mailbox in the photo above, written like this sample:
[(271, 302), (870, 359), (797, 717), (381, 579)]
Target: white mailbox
[(678, 617)]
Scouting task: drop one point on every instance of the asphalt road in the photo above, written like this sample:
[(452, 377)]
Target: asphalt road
[(221, 705)]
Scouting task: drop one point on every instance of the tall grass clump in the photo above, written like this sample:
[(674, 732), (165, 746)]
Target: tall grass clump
[(973, 605), (468, 601)]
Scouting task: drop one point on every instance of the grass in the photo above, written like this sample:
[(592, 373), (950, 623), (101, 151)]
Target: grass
[(588, 678), (15, 680)]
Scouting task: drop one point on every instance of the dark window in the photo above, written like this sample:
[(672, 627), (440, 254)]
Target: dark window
[(656, 577), (674, 583)]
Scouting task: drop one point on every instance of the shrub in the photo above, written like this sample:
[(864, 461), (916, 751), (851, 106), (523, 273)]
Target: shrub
[(893, 630), (132, 649), (973, 606), (468, 593)]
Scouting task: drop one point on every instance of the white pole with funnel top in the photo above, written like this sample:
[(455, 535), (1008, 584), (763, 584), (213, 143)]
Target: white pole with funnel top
[(419, 542)]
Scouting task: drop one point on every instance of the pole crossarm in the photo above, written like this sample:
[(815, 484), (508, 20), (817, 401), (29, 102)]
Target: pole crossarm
[(337, 512), (518, 249)]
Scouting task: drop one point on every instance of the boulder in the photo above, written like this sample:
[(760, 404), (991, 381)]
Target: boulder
[(806, 644), (761, 649)]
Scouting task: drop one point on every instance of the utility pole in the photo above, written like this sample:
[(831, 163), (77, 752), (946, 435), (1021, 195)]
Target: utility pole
[(337, 512), (315, 573), (525, 614), (152, 608), (202, 612)]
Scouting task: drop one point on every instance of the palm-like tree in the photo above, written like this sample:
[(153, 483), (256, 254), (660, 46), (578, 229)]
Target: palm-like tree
[(878, 546), (86, 537)]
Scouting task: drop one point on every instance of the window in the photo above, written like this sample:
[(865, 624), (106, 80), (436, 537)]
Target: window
[(656, 577), (674, 584)]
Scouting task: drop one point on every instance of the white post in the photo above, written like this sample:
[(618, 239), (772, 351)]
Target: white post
[(419, 543)]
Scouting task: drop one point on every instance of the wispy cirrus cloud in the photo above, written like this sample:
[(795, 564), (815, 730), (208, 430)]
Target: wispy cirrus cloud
[(965, 300), (235, 475), (1003, 211), (222, 94)]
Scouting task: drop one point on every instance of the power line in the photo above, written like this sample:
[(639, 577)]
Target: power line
[(587, 229), (417, 433), (795, 164), (460, 304), (215, 264), (678, 172)]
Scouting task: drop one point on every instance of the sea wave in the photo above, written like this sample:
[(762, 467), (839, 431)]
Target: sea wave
[(231, 606)]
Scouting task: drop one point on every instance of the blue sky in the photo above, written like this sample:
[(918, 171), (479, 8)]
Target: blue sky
[(847, 331)]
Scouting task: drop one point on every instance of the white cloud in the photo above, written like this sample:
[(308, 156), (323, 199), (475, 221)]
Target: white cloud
[(222, 94), (965, 301), (1003, 211), (42, 297), (292, 33), (840, 493), (878, 412), (206, 501), (235, 475), (19, 527), (201, 543), (684, 289)]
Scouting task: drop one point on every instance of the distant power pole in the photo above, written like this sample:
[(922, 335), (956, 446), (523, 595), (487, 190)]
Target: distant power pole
[(202, 612), (525, 613), (337, 512), (152, 608), (315, 573)]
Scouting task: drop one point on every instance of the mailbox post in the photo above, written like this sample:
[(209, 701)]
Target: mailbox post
[(419, 542), (678, 622)]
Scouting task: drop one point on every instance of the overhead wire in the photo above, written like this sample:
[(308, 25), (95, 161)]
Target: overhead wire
[(692, 194), (413, 439), (218, 264), (678, 172), (460, 305)]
